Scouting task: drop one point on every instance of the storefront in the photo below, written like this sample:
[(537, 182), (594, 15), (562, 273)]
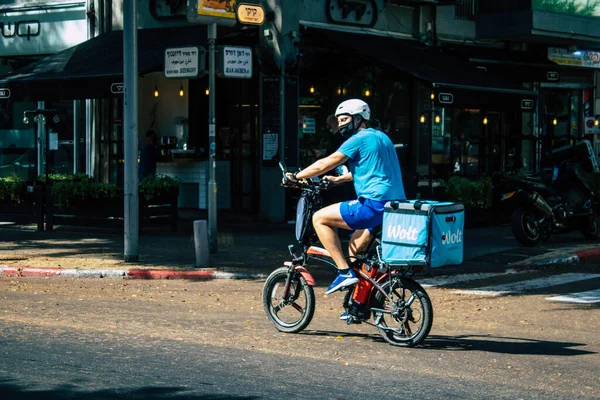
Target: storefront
[(28, 33), (445, 115), (177, 109)]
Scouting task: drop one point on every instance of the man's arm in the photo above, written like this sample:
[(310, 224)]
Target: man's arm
[(338, 180), (322, 166)]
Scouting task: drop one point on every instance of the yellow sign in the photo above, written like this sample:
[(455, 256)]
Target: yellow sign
[(250, 14), (217, 8)]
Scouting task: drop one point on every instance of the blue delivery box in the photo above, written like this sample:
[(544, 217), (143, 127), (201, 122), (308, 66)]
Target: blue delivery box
[(424, 231)]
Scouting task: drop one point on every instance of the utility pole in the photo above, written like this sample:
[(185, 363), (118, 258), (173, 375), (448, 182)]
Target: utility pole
[(130, 130), (212, 121)]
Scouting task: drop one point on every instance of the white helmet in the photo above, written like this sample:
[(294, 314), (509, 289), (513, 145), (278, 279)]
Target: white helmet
[(354, 107)]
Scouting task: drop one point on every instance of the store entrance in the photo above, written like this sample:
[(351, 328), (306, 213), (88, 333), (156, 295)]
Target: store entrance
[(236, 137)]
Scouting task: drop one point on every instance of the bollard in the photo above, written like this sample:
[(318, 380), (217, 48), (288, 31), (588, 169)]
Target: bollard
[(201, 243)]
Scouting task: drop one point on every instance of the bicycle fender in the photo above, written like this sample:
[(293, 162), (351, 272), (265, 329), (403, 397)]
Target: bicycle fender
[(304, 272)]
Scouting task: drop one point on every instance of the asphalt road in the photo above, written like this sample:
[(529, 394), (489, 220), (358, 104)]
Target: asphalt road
[(113, 339)]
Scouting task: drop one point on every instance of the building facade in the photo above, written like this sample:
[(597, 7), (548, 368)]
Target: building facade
[(461, 87)]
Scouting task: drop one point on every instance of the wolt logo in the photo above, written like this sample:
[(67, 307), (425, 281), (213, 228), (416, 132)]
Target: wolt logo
[(452, 238), (397, 232)]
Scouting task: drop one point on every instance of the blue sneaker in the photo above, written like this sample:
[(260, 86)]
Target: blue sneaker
[(344, 316), (345, 278)]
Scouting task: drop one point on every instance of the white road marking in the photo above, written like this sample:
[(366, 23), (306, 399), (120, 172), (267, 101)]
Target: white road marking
[(530, 284), (450, 279), (589, 297)]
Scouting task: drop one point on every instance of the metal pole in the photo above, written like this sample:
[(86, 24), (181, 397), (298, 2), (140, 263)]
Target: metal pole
[(430, 145), (212, 183), (130, 131), (41, 139), (90, 137), (282, 113), (76, 134)]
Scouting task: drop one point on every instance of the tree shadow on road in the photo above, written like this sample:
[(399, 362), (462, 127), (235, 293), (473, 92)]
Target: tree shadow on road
[(504, 345), (11, 390)]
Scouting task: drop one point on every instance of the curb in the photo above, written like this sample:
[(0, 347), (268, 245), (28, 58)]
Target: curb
[(584, 256), (127, 274)]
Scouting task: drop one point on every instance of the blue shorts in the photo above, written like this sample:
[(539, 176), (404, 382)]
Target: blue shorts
[(362, 213)]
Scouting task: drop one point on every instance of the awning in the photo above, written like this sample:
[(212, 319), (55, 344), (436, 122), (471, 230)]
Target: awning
[(468, 84), (89, 69)]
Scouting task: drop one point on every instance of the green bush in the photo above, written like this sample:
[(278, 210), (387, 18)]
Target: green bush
[(158, 186), (13, 189), (475, 193), (53, 178), (80, 189)]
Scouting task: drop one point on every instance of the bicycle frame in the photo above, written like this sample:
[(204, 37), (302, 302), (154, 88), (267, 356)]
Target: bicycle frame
[(320, 254), (384, 293)]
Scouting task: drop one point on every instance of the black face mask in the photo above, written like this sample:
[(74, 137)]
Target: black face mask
[(347, 130), (350, 128)]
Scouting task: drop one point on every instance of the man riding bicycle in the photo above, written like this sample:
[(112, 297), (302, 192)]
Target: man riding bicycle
[(375, 170)]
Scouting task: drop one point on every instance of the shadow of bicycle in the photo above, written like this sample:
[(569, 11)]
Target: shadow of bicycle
[(504, 345), (483, 343)]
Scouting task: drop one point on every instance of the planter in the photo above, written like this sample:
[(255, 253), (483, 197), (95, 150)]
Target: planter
[(160, 211), (29, 210), (156, 212)]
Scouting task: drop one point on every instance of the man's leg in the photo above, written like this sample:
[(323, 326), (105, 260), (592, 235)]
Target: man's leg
[(325, 221), (360, 239)]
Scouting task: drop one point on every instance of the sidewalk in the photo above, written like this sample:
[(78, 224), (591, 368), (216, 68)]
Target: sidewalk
[(245, 249)]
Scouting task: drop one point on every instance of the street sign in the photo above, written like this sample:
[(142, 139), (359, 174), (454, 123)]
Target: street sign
[(184, 62), (250, 14), (527, 104), (446, 98), (117, 88), (553, 76), (235, 62), (4, 93)]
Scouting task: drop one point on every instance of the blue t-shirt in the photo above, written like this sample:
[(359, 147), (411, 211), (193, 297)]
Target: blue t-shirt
[(374, 165)]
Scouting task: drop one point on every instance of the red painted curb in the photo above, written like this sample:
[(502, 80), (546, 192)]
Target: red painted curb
[(10, 271), (589, 256), (40, 271), (161, 274)]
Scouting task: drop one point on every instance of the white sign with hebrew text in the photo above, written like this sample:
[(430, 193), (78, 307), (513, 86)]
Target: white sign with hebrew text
[(183, 62), (237, 62)]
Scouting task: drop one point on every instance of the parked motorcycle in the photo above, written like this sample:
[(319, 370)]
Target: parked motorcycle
[(558, 202)]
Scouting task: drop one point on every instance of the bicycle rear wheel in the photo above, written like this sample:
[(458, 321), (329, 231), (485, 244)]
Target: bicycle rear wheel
[(289, 313), (410, 314)]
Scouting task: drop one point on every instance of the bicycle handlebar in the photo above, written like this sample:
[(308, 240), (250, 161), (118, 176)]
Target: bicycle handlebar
[(312, 183)]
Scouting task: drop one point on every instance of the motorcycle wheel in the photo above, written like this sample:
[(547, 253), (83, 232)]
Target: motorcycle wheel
[(412, 313), (292, 313), (592, 230), (523, 227)]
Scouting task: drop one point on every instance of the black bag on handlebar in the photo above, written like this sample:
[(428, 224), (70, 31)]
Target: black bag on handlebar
[(303, 216)]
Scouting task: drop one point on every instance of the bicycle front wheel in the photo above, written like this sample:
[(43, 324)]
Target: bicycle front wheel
[(289, 312), (409, 315)]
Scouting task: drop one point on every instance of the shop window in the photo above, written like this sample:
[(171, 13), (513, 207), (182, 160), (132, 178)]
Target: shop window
[(562, 116), (18, 156), (62, 159), (441, 156), (467, 141)]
